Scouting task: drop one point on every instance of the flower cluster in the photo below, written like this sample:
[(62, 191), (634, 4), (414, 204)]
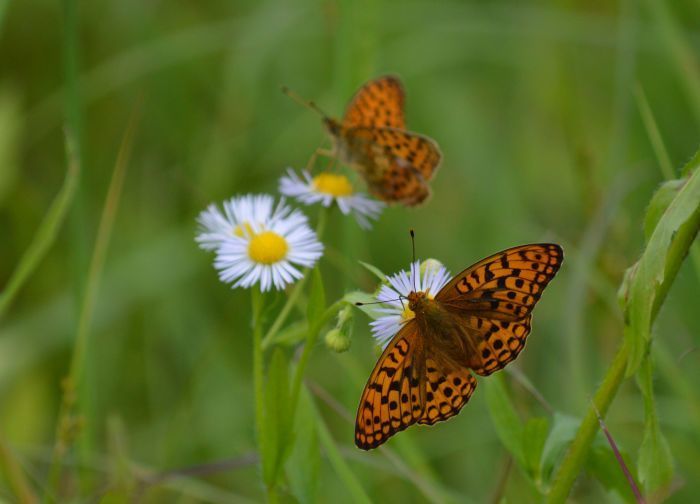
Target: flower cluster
[(258, 242)]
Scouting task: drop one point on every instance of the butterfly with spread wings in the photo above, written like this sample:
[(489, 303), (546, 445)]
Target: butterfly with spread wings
[(372, 138), (477, 322)]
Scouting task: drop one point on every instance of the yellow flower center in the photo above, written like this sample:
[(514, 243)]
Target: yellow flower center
[(243, 230), (267, 248), (335, 185)]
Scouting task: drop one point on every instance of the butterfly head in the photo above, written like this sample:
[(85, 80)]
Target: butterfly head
[(332, 126), (417, 300)]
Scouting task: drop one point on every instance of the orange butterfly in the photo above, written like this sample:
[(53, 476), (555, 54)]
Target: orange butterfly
[(477, 322), (372, 138)]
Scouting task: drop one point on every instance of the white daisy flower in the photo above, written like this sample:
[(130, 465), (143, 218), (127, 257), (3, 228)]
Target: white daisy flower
[(238, 213), (258, 243), (428, 277), (325, 188)]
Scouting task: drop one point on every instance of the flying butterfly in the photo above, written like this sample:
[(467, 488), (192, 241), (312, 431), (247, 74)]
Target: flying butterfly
[(372, 138), (477, 322)]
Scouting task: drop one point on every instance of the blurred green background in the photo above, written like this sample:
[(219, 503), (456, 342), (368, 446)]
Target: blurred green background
[(537, 108)]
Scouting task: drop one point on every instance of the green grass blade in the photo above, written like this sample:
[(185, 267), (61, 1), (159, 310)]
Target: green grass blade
[(654, 134), (48, 230), (352, 484), (75, 385), (681, 52), (10, 466)]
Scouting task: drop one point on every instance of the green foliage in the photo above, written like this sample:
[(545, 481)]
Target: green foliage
[(642, 293), (508, 425), (46, 234), (655, 461), (534, 439), (275, 439), (317, 299), (533, 109), (662, 257), (304, 462)]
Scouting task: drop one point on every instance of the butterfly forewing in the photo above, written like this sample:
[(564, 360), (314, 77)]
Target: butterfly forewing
[(506, 285), (377, 103), (392, 398)]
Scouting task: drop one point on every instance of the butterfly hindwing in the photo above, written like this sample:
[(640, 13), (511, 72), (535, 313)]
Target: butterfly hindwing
[(392, 398), (378, 103), (397, 164), (446, 391), (498, 342)]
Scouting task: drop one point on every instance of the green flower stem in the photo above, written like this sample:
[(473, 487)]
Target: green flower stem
[(258, 376), (577, 452), (311, 339), (296, 291)]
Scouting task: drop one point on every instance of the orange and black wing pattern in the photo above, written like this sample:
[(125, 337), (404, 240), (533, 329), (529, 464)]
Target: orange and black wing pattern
[(398, 164), (392, 399), (447, 390), (378, 103), (494, 300)]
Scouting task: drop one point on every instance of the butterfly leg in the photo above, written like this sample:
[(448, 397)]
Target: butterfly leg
[(320, 152)]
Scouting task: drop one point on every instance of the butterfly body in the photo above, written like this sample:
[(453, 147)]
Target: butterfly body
[(444, 330), (431, 316), (477, 322), (372, 138)]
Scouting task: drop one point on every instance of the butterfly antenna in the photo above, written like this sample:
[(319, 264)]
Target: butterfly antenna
[(304, 103), (359, 303), (413, 246)]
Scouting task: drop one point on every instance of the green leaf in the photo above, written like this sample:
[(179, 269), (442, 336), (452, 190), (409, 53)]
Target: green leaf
[(563, 431), (662, 198), (372, 310), (355, 491), (317, 298), (292, 335), (660, 260), (277, 426), (534, 438), (305, 459), (508, 425), (604, 467), (654, 461), (374, 270)]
